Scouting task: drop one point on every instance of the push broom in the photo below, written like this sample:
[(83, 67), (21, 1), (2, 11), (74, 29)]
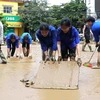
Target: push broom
[(88, 64)]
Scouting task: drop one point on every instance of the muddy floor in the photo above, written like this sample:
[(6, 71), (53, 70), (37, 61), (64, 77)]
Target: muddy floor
[(12, 89)]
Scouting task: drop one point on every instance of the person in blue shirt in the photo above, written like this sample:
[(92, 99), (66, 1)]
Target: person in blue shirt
[(12, 41), (48, 39), (95, 26), (26, 45), (68, 42)]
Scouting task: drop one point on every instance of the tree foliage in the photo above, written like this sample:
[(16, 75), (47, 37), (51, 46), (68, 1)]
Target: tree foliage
[(37, 12), (3, 21)]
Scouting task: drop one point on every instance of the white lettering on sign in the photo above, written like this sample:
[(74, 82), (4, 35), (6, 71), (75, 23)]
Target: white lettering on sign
[(10, 18)]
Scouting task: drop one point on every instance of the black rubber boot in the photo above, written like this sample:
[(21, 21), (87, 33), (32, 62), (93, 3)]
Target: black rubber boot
[(4, 61), (83, 47), (90, 48), (98, 64)]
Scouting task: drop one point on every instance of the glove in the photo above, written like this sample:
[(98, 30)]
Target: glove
[(17, 55), (8, 56), (21, 56), (30, 56), (46, 59), (59, 59), (97, 45), (79, 62), (53, 59)]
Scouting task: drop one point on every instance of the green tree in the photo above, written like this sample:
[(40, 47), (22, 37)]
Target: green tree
[(76, 12), (37, 12), (33, 14), (3, 21)]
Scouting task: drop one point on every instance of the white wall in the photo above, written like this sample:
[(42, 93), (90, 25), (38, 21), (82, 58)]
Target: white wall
[(91, 5)]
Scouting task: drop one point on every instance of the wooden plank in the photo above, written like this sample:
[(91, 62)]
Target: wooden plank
[(57, 76), (27, 60), (17, 60), (75, 76), (95, 67), (13, 60)]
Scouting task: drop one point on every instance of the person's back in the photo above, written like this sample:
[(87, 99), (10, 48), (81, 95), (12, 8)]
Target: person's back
[(23, 36), (48, 40), (96, 26)]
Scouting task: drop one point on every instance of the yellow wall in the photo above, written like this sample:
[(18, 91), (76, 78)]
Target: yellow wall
[(19, 31), (14, 7)]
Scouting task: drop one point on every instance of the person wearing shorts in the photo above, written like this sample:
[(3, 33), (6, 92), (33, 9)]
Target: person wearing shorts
[(68, 42), (95, 27), (12, 41), (86, 33), (26, 45), (48, 39)]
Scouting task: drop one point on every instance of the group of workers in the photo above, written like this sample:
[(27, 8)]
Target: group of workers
[(65, 40), (14, 48)]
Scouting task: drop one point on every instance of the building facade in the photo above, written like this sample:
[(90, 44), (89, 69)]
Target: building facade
[(9, 8), (97, 8)]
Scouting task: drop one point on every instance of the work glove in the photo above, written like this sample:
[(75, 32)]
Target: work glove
[(79, 62), (53, 59), (17, 55), (97, 45), (21, 56), (30, 56), (46, 59), (59, 59), (8, 56)]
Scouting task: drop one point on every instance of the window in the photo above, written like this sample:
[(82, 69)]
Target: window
[(7, 9)]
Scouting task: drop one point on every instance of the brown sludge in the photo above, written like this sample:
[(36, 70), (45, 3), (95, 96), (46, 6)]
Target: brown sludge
[(12, 89)]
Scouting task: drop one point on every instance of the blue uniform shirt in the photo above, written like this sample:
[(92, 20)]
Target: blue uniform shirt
[(70, 39), (16, 43), (96, 30), (29, 38), (49, 41)]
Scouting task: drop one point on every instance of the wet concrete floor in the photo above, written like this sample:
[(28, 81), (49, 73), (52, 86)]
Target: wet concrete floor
[(12, 89)]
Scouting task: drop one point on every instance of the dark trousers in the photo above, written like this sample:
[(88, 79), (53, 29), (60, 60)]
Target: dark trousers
[(68, 52), (26, 48), (12, 49)]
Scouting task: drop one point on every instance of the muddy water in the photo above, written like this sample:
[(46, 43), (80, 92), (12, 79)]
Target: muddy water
[(12, 89)]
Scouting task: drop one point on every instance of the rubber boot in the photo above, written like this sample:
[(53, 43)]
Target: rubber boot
[(72, 58), (98, 64), (83, 47), (43, 56), (4, 61), (90, 48)]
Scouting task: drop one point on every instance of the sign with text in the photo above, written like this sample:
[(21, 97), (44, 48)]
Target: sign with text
[(12, 18), (15, 24)]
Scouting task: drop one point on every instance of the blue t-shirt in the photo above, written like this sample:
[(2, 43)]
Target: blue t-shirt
[(49, 41), (9, 43), (96, 30), (70, 39), (29, 38)]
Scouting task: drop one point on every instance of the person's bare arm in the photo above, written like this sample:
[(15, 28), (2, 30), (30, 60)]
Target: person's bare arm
[(59, 48), (84, 29), (78, 50)]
